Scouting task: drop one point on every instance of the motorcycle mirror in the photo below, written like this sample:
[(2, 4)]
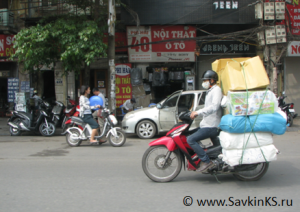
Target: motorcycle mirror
[(283, 92)]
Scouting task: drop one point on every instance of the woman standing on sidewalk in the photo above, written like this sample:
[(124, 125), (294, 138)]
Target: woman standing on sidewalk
[(85, 111)]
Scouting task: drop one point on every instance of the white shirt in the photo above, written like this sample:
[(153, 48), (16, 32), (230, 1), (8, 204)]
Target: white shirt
[(212, 112), (127, 105), (103, 98), (85, 107)]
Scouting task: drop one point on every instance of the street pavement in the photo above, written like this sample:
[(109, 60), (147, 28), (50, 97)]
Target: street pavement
[(45, 174)]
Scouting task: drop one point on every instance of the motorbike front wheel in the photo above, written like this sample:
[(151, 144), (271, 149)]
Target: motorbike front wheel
[(159, 168), (253, 175), (47, 131), (119, 140)]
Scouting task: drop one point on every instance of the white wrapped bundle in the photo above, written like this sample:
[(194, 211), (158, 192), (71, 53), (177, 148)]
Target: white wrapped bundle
[(251, 155), (239, 140)]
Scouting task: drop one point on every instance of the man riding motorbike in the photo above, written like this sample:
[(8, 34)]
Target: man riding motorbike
[(212, 114)]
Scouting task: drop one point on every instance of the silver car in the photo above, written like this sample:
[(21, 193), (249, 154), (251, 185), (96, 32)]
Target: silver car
[(150, 121)]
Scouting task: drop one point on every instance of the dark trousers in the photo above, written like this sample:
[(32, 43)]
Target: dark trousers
[(201, 134)]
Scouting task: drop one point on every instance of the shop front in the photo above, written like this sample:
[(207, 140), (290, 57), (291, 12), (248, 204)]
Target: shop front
[(8, 73), (162, 57), (292, 74)]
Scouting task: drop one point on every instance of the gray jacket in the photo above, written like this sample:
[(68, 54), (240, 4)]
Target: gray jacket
[(212, 112)]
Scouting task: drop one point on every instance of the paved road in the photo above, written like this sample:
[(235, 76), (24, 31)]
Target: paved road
[(45, 174)]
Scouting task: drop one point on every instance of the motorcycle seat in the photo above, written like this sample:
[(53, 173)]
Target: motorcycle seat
[(26, 114), (77, 119)]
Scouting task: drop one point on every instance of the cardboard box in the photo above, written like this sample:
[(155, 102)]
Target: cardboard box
[(237, 74), (237, 103), (219, 65)]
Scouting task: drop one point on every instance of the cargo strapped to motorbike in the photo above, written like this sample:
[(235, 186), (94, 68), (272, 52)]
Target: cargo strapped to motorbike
[(247, 119)]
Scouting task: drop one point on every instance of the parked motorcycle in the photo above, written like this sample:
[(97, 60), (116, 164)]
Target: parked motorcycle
[(21, 121), (80, 131), (162, 161), (288, 109), (68, 111)]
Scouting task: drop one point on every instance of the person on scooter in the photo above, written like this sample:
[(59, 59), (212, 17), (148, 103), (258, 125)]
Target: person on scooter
[(101, 121), (86, 113), (212, 114)]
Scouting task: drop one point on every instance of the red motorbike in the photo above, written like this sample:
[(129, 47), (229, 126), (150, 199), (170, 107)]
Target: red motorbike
[(69, 111), (68, 122), (162, 161)]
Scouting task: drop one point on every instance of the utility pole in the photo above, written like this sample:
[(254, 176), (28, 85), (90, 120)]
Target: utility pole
[(111, 55), (273, 68)]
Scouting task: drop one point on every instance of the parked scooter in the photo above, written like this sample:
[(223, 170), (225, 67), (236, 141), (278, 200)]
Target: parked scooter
[(288, 109), (21, 121), (162, 161), (68, 111), (81, 131)]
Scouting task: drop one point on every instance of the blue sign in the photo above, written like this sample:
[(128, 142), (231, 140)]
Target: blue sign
[(25, 86), (12, 87)]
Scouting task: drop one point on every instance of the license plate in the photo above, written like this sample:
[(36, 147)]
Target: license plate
[(292, 110)]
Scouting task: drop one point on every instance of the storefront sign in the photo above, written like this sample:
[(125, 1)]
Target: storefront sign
[(226, 47), (177, 51), (189, 12), (293, 49), (293, 15), (123, 83), (12, 87), (25, 86), (6, 45)]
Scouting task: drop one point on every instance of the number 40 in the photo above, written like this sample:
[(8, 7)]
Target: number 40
[(144, 48)]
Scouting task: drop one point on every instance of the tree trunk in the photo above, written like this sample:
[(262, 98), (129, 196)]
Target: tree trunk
[(86, 78)]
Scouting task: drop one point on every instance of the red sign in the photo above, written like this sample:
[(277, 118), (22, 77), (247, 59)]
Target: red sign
[(173, 43), (293, 15), (120, 40), (123, 83), (6, 45), (160, 33)]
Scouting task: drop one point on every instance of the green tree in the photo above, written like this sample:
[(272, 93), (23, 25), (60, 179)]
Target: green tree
[(73, 40)]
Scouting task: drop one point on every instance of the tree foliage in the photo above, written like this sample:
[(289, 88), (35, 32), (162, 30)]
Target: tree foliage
[(73, 40)]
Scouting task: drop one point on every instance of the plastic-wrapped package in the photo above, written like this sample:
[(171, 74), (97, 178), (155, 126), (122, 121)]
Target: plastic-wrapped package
[(237, 102), (159, 78), (250, 155), (178, 75), (247, 140), (273, 123), (136, 76), (147, 87), (171, 75)]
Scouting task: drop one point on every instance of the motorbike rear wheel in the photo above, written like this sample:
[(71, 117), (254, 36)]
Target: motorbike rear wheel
[(14, 131), (119, 140), (71, 141), (153, 167), (290, 120), (253, 175)]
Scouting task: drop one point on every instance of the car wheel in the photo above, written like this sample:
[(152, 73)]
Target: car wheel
[(146, 129)]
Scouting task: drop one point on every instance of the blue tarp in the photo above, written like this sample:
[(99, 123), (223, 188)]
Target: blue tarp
[(273, 123)]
